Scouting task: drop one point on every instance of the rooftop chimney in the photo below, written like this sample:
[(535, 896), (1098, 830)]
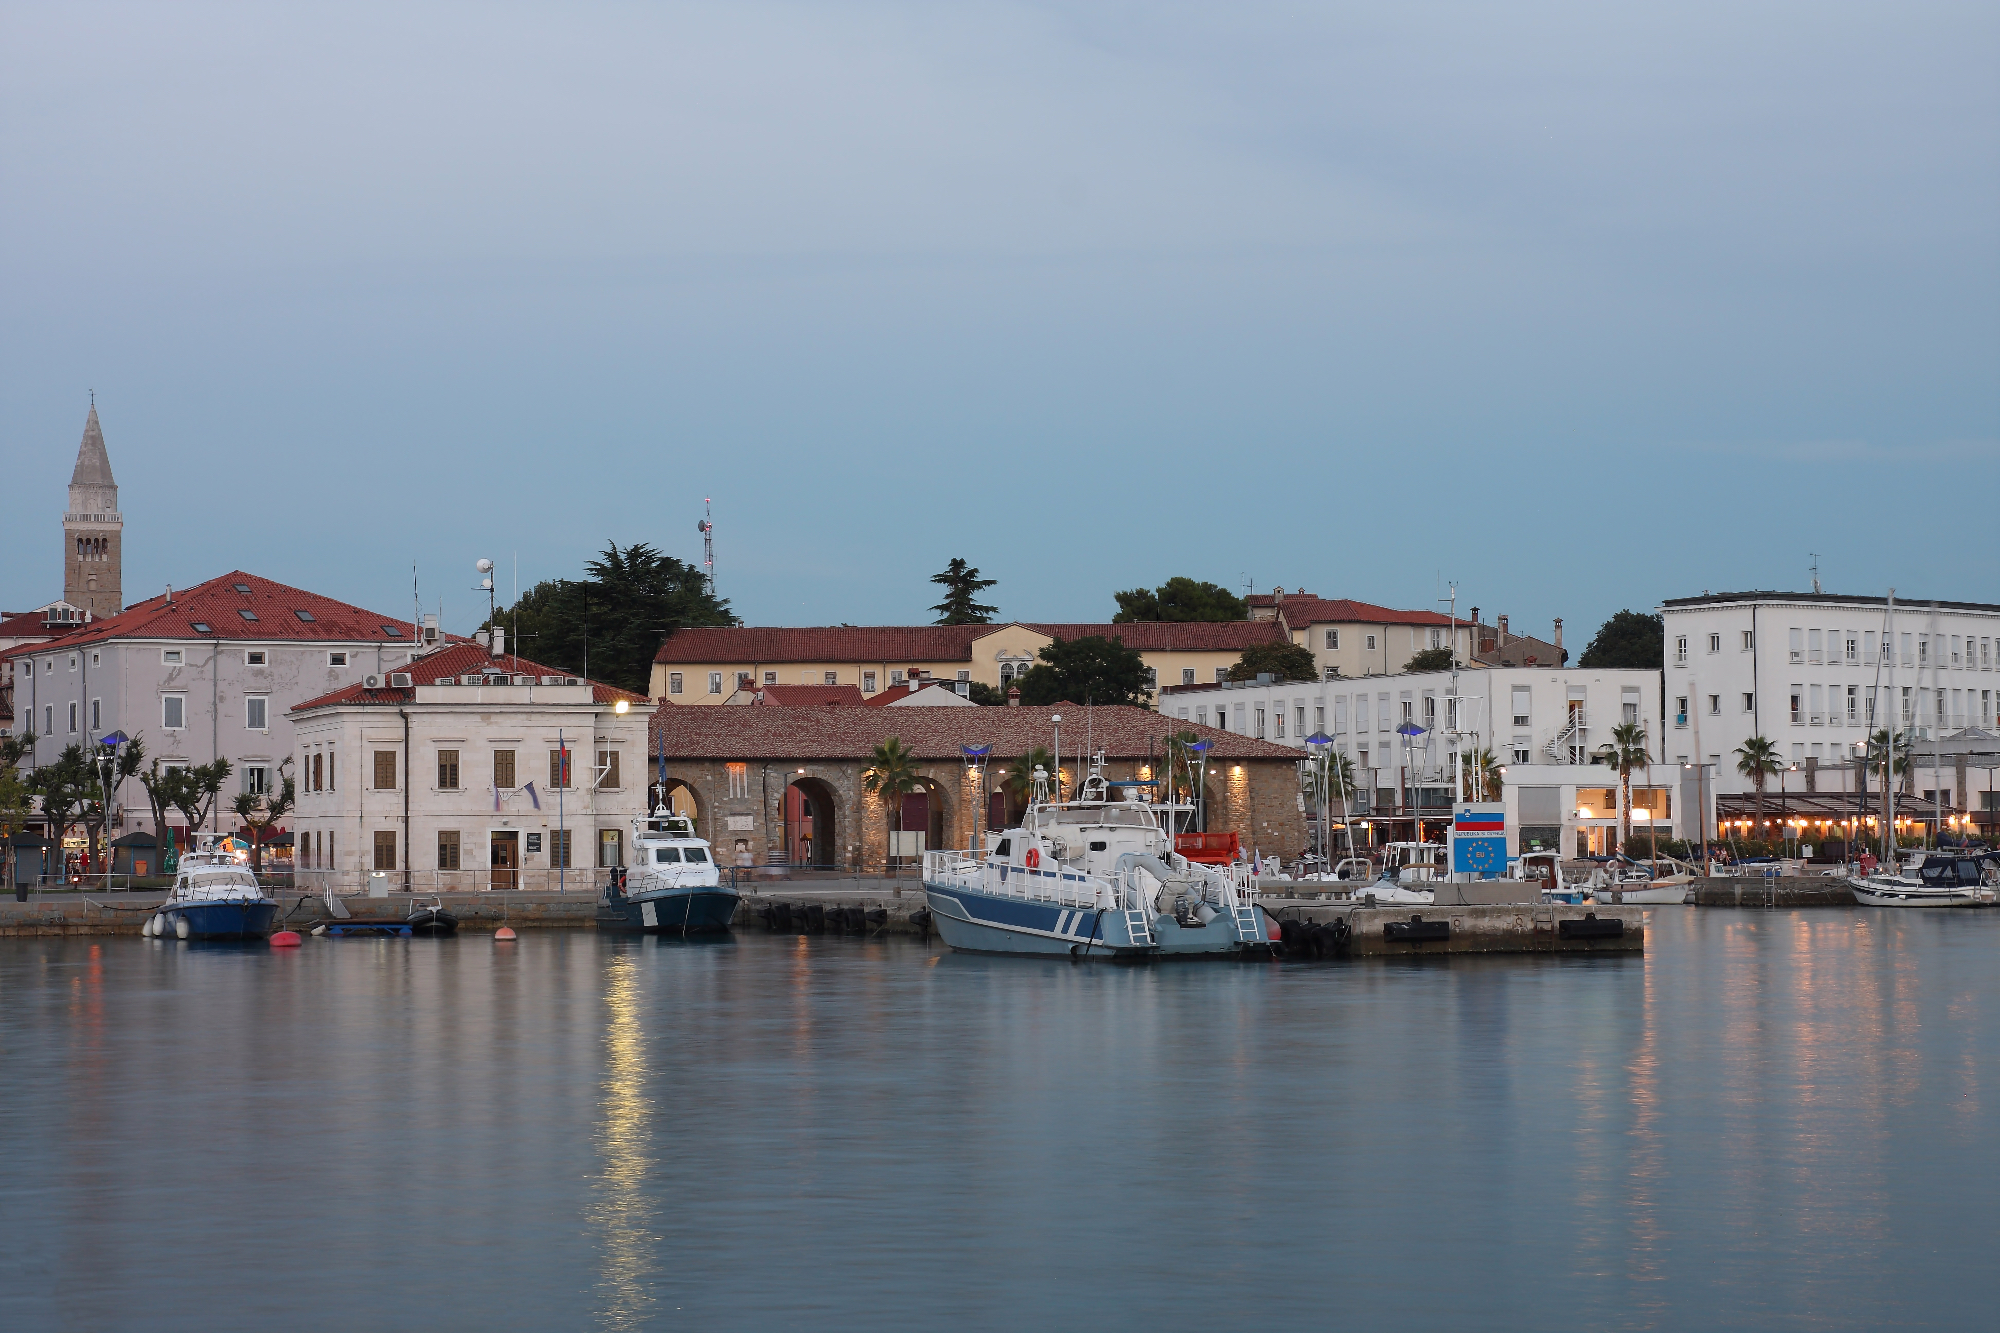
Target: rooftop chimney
[(1559, 634), (498, 641), (1014, 698), (1503, 631), (1475, 615), (170, 594)]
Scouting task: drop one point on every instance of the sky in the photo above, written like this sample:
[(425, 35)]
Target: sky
[(1574, 306)]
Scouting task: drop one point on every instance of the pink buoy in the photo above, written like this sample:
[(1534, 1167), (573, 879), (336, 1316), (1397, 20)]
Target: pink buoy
[(286, 939), (504, 933)]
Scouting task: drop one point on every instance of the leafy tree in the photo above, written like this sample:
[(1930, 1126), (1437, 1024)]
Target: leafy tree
[(196, 789), (97, 810), (1430, 659), (608, 626), (16, 796), (1180, 599), (1091, 669), (1625, 751), (65, 787), (1757, 759), (161, 786), (1482, 777), (962, 585), (1020, 776), (891, 774), (1628, 639), (261, 809), (986, 696), (1878, 747), (1286, 661)]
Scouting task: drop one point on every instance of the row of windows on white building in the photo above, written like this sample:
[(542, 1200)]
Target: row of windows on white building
[(1813, 647), (1821, 705)]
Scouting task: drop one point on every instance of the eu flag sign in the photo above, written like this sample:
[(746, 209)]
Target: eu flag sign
[(1478, 839)]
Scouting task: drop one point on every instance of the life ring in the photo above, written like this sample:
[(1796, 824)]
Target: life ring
[(1033, 858)]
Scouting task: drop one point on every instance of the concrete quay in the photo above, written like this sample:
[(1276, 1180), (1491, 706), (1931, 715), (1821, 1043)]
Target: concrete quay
[(1787, 891), (1506, 928)]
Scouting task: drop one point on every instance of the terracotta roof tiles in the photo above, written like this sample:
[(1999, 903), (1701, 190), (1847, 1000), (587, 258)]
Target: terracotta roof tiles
[(891, 644)]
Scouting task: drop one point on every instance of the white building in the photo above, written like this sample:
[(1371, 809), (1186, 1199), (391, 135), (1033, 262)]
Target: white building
[(199, 674), (1541, 725), (1816, 673), (466, 770)]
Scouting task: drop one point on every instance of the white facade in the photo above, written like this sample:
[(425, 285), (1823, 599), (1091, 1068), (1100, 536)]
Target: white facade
[(463, 786), (1817, 673)]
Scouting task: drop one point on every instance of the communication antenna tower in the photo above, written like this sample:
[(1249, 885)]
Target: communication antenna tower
[(485, 568), (707, 530), (1815, 569)]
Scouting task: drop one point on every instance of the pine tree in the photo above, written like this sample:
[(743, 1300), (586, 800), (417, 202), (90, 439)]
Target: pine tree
[(962, 584)]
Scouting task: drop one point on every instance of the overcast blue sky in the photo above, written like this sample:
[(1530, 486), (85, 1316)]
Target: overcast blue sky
[(1581, 305)]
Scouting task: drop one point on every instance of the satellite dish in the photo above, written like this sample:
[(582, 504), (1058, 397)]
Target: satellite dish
[(702, 525), (484, 566)]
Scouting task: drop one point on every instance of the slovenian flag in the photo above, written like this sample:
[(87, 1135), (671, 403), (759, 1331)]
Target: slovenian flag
[(529, 788), (1479, 821)]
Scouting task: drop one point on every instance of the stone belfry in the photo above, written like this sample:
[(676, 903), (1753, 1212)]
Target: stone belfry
[(93, 530)]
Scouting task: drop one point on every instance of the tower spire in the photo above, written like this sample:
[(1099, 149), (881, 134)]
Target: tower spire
[(93, 529)]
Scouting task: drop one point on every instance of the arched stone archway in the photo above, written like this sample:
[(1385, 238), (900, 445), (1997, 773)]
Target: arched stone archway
[(809, 832), (679, 796)]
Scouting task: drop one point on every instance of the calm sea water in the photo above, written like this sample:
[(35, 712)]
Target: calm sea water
[(1771, 1121)]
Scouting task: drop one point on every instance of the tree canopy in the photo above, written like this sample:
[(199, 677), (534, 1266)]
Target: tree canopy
[(962, 586), (1628, 639), (1286, 661), (1180, 599), (1091, 669), (1430, 659), (615, 617)]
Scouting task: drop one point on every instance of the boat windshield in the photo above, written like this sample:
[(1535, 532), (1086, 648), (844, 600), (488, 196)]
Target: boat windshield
[(695, 855), (1111, 816), (666, 856)]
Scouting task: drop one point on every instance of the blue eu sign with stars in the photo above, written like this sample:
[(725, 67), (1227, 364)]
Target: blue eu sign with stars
[(1478, 838)]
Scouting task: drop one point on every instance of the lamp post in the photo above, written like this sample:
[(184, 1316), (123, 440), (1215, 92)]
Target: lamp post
[(1198, 775)]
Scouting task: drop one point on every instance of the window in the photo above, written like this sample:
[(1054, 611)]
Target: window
[(607, 764), (503, 770), (558, 848), (385, 849), (48, 718), (1299, 719), (170, 657), (1798, 705), (1714, 705), (1436, 639), (742, 680), (674, 682), (305, 617), (1333, 638), (1319, 720), (1259, 733), (448, 773), (448, 849), (1681, 648), (1749, 641), (256, 657), (1221, 675), (1680, 710), (610, 847), (97, 659), (771, 678), (1715, 643), (1187, 675), (868, 682), (173, 711), (256, 779), (1923, 650), (256, 712), (896, 677), (1817, 709), (1522, 694), (1631, 710), (559, 774), (715, 682), (72, 715), (1907, 659), (393, 631), (315, 772), (1850, 648), (1521, 754), (1853, 704), (1906, 701), (1152, 678), (385, 770), (1371, 643), (1749, 702), (833, 677), (1813, 647), (246, 613), (739, 779), (1201, 717), (336, 659)]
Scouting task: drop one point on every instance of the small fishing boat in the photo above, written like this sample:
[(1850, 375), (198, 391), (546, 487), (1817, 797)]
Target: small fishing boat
[(431, 919), (672, 885), (215, 896), (1091, 878), (1943, 879), (1643, 883)]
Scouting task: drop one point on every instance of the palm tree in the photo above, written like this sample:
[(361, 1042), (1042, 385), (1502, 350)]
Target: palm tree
[(1020, 777), (1879, 743), (1757, 759), (891, 774), (1482, 777), (1625, 751)]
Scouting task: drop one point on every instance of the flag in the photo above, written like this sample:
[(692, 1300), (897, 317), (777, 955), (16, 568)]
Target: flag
[(496, 796), (529, 788)]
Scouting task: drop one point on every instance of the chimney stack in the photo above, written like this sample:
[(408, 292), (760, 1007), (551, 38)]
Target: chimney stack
[(1559, 633), (498, 641), (1014, 697), (1475, 615), (1503, 631)]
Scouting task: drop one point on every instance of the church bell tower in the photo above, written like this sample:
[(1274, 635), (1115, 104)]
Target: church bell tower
[(93, 530)]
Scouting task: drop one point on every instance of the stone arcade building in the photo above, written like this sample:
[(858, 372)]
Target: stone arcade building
[(777, 785)]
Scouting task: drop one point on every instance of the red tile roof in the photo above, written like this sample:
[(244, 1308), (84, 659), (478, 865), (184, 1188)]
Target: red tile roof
[(34, 625), (277, 612), (445, 666), (1302, 609), (883, 698), (779, 733), (810, 696), (893, 644)]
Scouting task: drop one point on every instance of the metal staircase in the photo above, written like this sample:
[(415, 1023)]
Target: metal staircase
[(1138, 926), (1572, 730)]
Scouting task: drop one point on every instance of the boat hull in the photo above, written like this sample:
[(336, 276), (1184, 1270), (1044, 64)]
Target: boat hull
[(222, 920), (1644, 897), (675, 912), (974, 922), (1921, 895)]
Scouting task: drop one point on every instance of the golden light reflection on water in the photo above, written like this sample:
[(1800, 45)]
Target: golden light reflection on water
[(621, 1213)]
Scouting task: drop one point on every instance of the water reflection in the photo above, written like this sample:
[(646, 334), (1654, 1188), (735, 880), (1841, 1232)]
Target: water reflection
[(625, 1197)]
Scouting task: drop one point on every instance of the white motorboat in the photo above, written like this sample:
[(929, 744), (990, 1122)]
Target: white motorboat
[(215, 896), (1641, 883), (1943, 879), (1410, 870), (673, 885)]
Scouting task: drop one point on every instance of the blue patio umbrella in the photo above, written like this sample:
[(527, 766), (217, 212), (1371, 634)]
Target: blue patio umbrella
[(1411, 729)]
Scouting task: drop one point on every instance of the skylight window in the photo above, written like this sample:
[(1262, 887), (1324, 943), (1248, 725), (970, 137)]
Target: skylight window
[(393, 631), (201, 627), (306, 616), (247, 613), (243, 588)]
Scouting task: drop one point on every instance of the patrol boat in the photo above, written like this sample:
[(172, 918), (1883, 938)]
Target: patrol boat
[(672, 885), (1090, 878), (215, 896)]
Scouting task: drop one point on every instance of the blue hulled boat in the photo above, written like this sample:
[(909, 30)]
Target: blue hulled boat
[(673, 885), (215, 896), (1091, 878)]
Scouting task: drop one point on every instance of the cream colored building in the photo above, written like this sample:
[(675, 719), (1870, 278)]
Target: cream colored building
[(706, 665), (467, 771), (1351, 639)]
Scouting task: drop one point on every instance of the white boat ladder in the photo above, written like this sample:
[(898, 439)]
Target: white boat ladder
[(1138, 926), (1246, 926)]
